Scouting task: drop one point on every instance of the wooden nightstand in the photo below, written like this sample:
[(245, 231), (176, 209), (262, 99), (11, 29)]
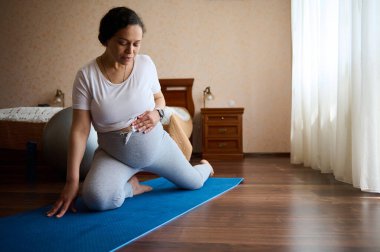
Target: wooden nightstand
[(222, 133)]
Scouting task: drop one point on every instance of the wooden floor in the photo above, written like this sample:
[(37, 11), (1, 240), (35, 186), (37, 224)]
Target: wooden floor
[(280, 207)]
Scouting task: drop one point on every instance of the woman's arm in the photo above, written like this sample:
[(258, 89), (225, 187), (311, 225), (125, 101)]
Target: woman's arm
[(80, 130), (159, 100), (146, 121)]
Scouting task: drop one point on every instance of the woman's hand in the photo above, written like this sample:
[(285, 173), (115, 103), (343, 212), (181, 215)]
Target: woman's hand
[(66, 200), (146, 121)]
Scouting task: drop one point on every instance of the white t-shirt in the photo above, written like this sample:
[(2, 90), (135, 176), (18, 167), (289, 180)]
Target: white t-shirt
[(113, 106)]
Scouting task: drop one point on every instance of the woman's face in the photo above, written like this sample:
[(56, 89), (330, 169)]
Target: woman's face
[(125, 44)]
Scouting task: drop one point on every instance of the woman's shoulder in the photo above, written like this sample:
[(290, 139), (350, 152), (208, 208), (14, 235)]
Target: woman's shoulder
[(87, 70), (89, 66), (143, 58)]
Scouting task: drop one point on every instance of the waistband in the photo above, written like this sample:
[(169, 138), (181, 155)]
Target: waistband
[(122, 131), (126, 130)]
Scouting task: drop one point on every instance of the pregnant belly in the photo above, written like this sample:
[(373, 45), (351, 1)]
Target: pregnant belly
[(140, 151)]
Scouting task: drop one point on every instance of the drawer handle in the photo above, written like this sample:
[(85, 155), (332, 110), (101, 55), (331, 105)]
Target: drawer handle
[(222, 145), (222, 118), (222, 130)]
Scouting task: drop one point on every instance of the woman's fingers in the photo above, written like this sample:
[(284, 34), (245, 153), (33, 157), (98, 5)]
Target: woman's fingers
[(65, 201), (145, 122), (55, 208), (148, 130), (143, 114), (73, 208), (63, 209), (146, 126)]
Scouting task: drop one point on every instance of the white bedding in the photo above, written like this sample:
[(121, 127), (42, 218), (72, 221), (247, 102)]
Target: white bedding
[(28, 114), (181, 112)]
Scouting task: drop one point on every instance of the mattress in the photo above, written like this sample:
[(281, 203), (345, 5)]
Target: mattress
[(28, 114), (22, 125)]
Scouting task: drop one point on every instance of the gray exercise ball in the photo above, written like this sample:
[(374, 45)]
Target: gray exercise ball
[(55, 140)]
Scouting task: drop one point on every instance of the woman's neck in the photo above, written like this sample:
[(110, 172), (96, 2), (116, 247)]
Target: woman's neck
[(114, 71), (109, 63)]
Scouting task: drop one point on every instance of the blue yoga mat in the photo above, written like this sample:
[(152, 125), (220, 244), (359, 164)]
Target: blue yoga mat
[(108, 230)]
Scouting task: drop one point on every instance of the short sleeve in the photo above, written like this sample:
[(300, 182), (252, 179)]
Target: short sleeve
[(81, 97)]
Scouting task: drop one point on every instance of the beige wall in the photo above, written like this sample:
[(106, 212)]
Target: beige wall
[(241, 48)]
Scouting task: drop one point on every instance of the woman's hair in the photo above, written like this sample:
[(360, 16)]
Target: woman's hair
[(116, 19)]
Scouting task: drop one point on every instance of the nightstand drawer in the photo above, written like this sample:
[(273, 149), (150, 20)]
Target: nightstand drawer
[(222, 118), (222, 131), (222, 145)]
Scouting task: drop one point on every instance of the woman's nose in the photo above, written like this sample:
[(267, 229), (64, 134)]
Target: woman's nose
[(129, 49)]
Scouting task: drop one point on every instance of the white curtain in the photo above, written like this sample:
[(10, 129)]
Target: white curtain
[(336, 89)]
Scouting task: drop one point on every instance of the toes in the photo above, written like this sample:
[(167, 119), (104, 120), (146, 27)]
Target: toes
[(204, 161)]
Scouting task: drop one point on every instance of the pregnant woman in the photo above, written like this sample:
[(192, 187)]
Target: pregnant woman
[(119, 93)]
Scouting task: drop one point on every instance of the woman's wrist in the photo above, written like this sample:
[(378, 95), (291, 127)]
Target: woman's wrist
[(72, 181), (160, 112), (72, 178)]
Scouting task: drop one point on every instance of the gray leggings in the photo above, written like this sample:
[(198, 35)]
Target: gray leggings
[(115, 161)]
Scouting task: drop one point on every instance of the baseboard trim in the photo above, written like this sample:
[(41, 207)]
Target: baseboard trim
[(253, 154), (267, 154)]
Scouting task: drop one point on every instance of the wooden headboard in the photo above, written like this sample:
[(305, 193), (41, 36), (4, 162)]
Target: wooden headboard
[(178, 93)]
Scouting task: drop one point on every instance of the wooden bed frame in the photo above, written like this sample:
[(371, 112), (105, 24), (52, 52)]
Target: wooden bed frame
[(16, 135), (178, 93)]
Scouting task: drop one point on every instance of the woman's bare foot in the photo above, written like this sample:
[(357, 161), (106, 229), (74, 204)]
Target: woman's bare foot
[(204, 161), (137, 187)]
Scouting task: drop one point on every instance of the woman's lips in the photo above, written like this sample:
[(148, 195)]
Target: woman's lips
[(127, 58)]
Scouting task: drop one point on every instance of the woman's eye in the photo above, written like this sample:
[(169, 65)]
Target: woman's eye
[(126, 43), (122, 42)]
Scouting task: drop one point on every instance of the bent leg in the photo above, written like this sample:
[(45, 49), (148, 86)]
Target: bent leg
[(172, 165), (106, 184)]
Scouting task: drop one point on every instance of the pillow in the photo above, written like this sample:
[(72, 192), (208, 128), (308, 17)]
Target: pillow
[(180, 112)]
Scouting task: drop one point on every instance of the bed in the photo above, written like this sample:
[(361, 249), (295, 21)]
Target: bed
[(21, 125)]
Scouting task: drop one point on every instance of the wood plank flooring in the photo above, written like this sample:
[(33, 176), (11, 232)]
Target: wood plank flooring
[(279, 207)]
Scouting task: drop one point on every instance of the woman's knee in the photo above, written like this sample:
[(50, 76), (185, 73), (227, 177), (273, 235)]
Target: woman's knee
[(193, 185), (100, 200)]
